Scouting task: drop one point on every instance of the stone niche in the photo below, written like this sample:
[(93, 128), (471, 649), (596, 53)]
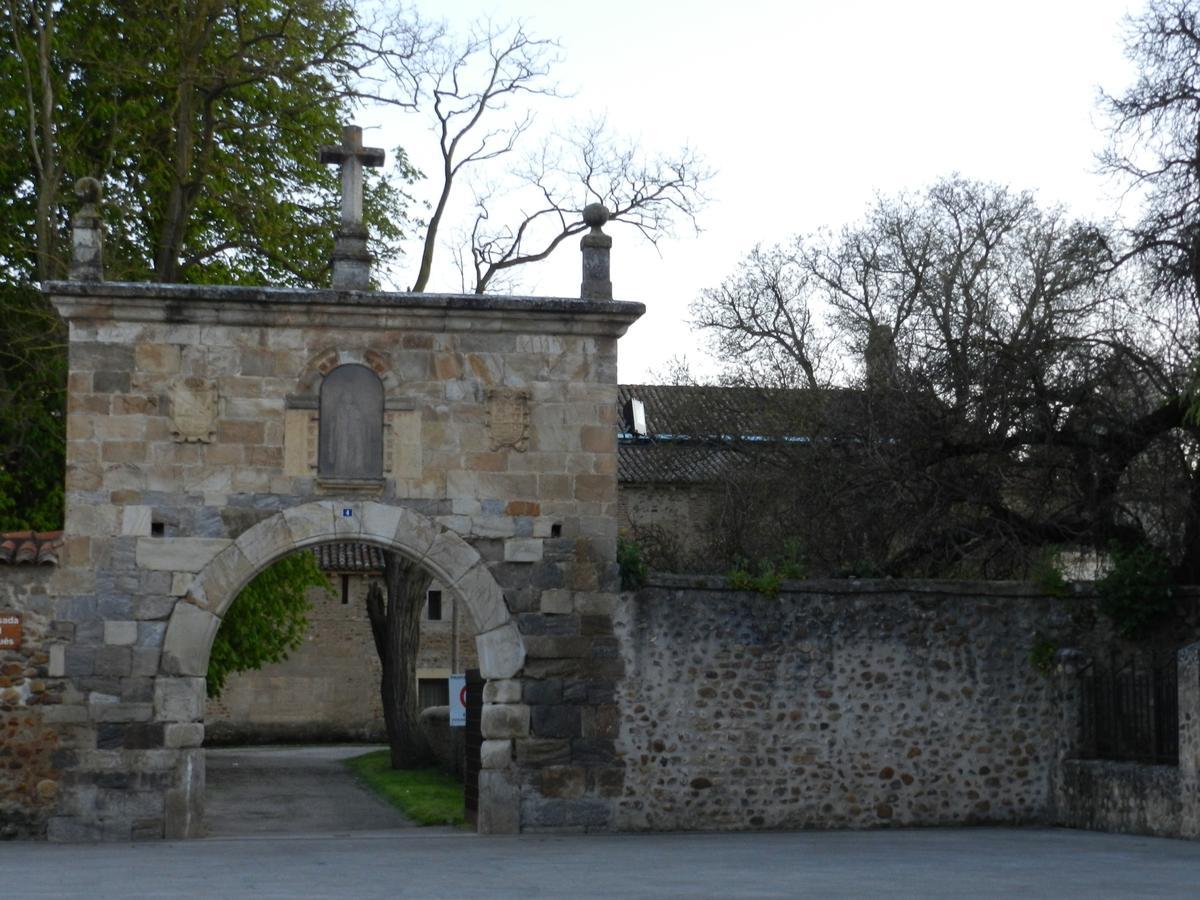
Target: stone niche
[(194, 458)]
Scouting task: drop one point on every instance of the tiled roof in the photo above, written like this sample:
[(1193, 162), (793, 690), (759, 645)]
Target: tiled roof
[(707, 411), (698, 434), (349, 557), (646, 461), (30, 547)]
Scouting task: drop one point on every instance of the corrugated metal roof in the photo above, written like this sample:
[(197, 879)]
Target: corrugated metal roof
[(349, 557), (39, 548)]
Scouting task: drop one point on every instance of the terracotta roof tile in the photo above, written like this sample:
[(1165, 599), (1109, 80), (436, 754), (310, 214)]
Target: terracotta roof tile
[(349, 557), (30, 547)]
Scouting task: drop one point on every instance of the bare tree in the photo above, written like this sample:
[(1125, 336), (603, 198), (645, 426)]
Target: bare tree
[(1028, 379), (761, 325), (569, 171), (466, 95), (1154, 145), (477, 103)]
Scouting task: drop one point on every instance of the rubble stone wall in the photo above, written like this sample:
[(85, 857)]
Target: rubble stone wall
[(837, 705), (1126, 797), (34, 732)]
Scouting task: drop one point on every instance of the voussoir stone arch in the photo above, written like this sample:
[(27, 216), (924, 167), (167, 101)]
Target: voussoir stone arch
[(326, 361), (451, 560)]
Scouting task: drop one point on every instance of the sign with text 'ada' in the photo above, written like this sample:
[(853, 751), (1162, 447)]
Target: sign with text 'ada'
[(458, 701), (10, 630)]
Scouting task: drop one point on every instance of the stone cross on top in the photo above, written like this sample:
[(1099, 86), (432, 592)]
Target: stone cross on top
[(352, 156), (351, 261)]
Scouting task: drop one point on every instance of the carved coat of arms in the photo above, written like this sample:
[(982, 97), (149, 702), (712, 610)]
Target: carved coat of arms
[(193, 410), (508, 418)]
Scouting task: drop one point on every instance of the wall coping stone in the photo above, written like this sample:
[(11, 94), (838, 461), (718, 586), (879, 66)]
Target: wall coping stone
[(860, 586), (373, 310)]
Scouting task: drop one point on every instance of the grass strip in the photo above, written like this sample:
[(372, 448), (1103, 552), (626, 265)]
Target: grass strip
[(427, 796)]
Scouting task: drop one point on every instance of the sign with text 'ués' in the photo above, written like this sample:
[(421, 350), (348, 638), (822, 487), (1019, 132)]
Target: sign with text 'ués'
[(10, 630)]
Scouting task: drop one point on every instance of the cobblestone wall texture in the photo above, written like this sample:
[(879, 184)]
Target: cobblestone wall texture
[(1120, 796), (31, 758), (836, 705)]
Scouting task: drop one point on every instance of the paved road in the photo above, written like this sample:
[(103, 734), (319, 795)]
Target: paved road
[(290, 790), (428, 863), (288, 823)]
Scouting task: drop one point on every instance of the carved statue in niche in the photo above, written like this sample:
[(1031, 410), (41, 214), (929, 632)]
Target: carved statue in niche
[(350, 432), (193, 404), (508, 418)]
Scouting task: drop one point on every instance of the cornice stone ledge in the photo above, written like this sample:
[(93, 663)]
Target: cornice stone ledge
[(300, 308)]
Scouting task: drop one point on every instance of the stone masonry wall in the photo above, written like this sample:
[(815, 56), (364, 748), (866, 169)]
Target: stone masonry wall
[(1119, 797), (836, 705), (670, 522), (33, 731), (192, 462)]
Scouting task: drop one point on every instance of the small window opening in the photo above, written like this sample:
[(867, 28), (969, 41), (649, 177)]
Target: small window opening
[(556, 530), (345, 590), (433, 692), (158, 529), (435, 606)]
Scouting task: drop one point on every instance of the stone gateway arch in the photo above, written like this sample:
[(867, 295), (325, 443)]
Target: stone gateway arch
[(200, 448)]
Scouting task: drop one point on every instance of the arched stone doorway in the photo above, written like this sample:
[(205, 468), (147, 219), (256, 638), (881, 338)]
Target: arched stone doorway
[(194, 622), (193, 461)]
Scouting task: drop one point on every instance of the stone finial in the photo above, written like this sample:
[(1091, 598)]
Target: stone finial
[(351, 261), (595, 247), (87, 234)]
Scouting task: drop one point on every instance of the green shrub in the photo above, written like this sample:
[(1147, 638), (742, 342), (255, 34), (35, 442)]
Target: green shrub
[(1049, 579), (267, 620), (766, 576), (1136, 593), (1043, 654), (633, 567)]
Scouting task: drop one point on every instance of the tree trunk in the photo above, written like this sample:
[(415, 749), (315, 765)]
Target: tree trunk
[(38, 74), (175, 211), (394, 611)]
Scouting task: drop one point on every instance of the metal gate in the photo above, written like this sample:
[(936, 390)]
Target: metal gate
[(473, 739)]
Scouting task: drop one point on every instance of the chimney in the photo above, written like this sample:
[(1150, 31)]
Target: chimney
[(880, 358)]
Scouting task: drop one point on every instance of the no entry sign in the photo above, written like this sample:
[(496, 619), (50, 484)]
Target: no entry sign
[(458, 701)]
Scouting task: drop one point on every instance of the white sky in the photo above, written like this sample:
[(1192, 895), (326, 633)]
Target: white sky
[(805, 110)]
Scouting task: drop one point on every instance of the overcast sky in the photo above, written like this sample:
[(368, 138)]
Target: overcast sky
[(806, 110)]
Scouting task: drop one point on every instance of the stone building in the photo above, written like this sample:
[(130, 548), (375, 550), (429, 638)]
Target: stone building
[(212, 430), (698, 466), (328, 688)]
